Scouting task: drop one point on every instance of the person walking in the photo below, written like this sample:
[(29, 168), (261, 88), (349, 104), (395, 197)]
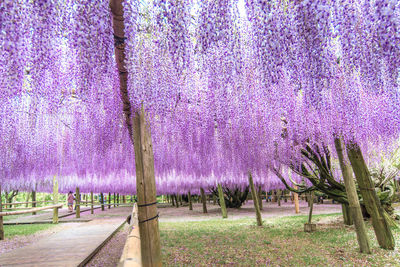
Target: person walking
[(70, 201)]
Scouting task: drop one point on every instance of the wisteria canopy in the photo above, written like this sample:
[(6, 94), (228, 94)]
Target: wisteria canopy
[(229, 86)]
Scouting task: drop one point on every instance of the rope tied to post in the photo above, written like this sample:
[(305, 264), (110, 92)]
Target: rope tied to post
[(147, 204), (152, 218)]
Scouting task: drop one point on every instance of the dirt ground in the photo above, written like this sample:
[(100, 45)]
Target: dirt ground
[(270, 209)]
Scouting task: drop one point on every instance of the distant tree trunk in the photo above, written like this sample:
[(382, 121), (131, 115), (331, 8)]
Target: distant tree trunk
[(190, 201), (176, 200), (180, 199), (254, 195), (102, 201), (203, 200), (278, 195), (91, 203), (109, 200), (371, 201), (222, 202), (115, 199), (34, 201), (260, 197)]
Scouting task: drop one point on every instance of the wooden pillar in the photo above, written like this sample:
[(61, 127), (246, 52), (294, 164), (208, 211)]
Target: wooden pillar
[(1, 219), (203, 200), (382, 230), (34, 201), (102, 201), (78, 203), (55, 199), (296, 201), (254, 195), (91, 203), (222, 202), (139, 132), (190, 201), (109, 200), (354, 203)]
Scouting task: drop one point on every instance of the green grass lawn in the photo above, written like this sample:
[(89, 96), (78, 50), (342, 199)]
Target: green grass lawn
[(280, 242), (24, 229)]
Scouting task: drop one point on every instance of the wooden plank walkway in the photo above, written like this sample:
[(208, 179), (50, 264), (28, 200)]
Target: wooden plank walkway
[(71, 247)]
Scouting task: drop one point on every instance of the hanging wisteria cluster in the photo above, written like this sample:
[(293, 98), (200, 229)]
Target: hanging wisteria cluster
[(229, 87)]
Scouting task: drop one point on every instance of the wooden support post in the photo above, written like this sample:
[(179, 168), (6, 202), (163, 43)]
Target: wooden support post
[(190, 201), (296, 201), (354, 203), (102, 201), (310, 227), (109, 200), (139, 132), (382, 230), (33, 201), (55, 199), (222, 202), (254, 195), (27, 199), (91, 203), (1, 219), (203, 200), (77, 203)]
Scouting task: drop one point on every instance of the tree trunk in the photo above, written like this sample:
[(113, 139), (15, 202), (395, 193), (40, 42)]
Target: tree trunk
[(260, 197), (109, 200), (91, 203), (254, 195), (203, 200), (278, 194), (55, 199), (311, 201), (34, 201), (190, 201), (180, 199), (115, 199), (78, 203), (222, 202), (1, 219), (172, 200), (176, 200), (370, 198), (347, 217)]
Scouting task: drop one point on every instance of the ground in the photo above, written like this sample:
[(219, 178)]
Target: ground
[(196, 239)]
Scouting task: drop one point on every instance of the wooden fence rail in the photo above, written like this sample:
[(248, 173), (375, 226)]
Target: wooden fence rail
[(132, 255)]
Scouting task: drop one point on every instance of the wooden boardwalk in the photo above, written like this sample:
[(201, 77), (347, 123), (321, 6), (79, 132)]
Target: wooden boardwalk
[(70, 247)]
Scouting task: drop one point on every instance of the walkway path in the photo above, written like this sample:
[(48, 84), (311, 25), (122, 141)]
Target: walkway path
[(70, 247), (47, 217)]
